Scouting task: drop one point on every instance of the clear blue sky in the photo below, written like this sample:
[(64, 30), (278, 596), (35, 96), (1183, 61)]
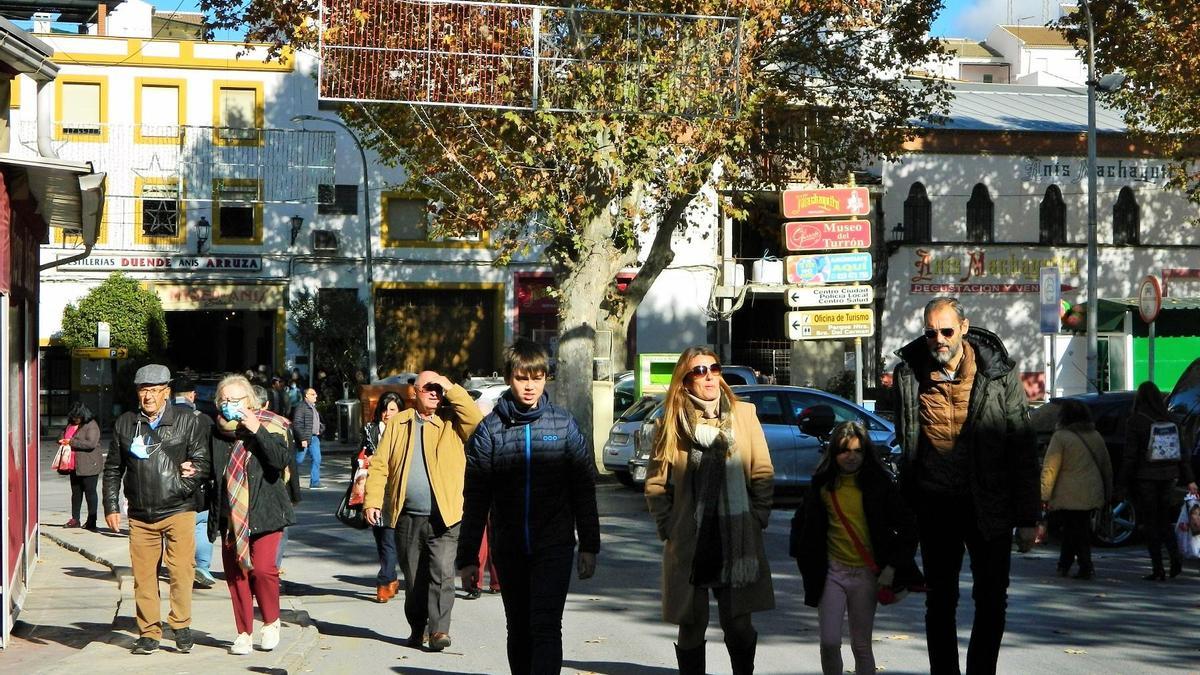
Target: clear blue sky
[(975, 18)]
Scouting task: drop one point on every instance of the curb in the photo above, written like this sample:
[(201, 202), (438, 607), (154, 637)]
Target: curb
[(290, 660)]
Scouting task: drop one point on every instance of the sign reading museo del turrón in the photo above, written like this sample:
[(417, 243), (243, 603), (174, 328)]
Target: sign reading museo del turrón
[(827, 234)]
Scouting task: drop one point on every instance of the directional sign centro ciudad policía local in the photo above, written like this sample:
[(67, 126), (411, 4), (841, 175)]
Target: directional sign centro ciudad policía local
[(830, 323), (829, 296)]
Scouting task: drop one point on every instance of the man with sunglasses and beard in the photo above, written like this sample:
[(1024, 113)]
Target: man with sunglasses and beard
[(415, 485), (969, 471)]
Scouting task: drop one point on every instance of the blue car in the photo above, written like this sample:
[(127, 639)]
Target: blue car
[(794, 454)]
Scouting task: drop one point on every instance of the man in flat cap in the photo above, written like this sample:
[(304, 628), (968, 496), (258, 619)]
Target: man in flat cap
[(147, 455)]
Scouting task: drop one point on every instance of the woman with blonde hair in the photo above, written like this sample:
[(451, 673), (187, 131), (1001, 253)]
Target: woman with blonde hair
[(251, 457), (709, 487)]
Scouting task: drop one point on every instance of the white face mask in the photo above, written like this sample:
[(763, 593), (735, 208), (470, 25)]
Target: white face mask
[(138, 448)]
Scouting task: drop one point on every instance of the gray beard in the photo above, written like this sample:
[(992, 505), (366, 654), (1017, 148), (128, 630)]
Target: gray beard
[(942, 359)]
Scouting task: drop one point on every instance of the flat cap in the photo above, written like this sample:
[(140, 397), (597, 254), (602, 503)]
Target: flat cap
[(152, 374)]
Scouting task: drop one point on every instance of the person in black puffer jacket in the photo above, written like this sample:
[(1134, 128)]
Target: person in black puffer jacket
[(528, 464)]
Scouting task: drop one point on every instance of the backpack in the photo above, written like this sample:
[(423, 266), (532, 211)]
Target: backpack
[(1164, 443)]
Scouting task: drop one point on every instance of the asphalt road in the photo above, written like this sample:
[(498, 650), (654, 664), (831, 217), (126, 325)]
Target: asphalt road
[(1114, 624)]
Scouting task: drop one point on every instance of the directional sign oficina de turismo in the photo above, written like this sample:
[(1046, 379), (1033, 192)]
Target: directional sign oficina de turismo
[(828, 268), (825, 203), (829, 296), (830, 323), (826, 235)]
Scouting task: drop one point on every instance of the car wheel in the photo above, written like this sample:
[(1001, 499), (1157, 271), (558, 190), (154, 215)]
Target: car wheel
[(1116, 527), (625, 478)]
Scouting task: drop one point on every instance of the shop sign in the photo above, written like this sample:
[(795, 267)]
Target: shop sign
[(829, 296), (826, 235), (828, 268), (100, 353), (254, 297), (169, 263), (1075, 170), (830, 323), (981, 271), (825, 202)]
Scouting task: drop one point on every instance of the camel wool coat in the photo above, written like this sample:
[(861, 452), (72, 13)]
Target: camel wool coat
[(444, 438), (670, 494)]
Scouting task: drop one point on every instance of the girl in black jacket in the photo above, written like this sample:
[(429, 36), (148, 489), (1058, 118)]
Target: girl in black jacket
[(853, 538)]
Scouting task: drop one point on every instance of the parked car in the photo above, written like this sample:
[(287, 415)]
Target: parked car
[(794, 454), (618, 449), (624, 392)]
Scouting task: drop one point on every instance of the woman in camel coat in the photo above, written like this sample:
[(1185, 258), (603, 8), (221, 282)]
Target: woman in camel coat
[(708, 434)]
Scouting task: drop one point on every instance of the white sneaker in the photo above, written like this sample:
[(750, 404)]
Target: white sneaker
[(243, 645), (269, 638)]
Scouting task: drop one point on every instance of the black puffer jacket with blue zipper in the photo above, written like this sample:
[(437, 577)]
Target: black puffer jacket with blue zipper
[(532, 470)]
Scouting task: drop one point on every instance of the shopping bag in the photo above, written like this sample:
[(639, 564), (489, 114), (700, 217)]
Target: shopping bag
[(64, 460), (351, 515), (1189, 544)]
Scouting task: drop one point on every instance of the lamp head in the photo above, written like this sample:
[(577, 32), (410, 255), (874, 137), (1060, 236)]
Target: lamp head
[(297, 222), (1111, 82)]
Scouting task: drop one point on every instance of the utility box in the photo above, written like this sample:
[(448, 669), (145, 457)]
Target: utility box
[(653, 373), (349, 420)]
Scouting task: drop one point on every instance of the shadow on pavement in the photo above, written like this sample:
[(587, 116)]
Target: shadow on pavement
[(76, 636), (616, 668)]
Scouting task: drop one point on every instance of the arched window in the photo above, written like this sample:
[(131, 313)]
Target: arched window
[(1052, 218), (1127, 218), (917, 216), (980, 216)]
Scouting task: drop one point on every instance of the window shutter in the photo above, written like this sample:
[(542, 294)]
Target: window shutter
[(81, 107), (160, 111)]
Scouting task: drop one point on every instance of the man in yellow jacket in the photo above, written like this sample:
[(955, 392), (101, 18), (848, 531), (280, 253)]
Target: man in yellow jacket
[(415, 485)]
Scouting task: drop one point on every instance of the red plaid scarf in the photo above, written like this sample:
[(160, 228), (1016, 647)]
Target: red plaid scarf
[(237, 488)]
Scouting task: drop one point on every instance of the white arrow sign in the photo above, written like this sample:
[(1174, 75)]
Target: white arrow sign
[(828, 296)]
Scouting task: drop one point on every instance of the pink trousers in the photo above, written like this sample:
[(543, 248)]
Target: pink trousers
[(848, 591)]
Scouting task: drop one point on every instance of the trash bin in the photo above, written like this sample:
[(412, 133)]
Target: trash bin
[(349, 420)]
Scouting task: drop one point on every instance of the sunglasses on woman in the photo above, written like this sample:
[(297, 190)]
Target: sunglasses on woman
[(931, 333), (703, 370)]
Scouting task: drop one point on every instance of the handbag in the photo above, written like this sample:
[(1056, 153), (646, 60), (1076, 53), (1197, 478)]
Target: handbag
[(64, 460), (887, 595), (351, 515)]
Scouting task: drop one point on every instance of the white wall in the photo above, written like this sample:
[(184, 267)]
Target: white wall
[(1017, 185)]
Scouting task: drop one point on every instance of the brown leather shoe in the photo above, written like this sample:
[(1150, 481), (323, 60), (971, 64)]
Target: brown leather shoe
[(386, 592), (438, 641)]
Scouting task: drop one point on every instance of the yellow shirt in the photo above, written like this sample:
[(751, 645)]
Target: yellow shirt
[(849, 496)]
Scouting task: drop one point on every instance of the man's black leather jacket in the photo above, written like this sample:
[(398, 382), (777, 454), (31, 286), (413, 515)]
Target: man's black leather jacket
[(154, 487)]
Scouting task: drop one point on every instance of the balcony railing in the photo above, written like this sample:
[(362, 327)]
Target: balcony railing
[(287, 165)]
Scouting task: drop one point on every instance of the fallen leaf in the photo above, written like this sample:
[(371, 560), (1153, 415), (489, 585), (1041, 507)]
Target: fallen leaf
[(595, 641), (898, 637), (1074, 651)]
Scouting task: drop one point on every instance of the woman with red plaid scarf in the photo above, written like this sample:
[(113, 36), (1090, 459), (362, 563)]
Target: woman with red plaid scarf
[(250, 466)]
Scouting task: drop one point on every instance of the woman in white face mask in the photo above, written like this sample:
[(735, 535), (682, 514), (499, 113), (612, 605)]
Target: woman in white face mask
[(251, 454)]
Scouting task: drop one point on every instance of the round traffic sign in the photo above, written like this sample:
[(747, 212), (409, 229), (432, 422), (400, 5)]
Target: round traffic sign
[(1149, 298)]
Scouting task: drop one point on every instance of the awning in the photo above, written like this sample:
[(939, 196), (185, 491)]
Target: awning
[(69, 194), (1177, 317)]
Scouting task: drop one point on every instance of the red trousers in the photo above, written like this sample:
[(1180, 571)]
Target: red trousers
[(487, 563), (260, 583)]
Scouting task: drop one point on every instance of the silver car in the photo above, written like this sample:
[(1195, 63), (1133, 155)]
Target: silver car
[(618, 449)]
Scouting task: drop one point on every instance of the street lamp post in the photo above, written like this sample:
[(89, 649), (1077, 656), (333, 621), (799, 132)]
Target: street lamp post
[(1092, 256), (1108, 83), (372, 364)]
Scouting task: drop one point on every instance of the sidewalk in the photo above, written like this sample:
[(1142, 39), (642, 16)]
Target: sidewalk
[(80, 617)]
